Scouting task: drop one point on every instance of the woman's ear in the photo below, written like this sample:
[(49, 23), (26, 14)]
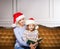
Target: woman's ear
[(36, 27)]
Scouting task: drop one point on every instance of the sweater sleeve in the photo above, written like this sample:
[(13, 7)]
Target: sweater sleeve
[(19, 39), (25, 36), (36, 34)]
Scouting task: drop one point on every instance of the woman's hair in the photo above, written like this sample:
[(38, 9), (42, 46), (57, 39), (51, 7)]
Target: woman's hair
[(27, 27)]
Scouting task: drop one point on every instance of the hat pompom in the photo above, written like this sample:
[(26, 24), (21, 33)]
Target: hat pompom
[(37, 27), (13, 25)]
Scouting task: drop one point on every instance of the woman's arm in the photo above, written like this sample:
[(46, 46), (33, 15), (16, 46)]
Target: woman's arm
[(18, 37), (25, 36)]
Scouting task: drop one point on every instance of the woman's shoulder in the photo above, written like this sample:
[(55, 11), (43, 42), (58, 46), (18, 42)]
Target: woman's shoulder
[(16, 28)]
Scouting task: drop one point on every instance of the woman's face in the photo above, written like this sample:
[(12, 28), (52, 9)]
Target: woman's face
[(31, 27), (22, 22)]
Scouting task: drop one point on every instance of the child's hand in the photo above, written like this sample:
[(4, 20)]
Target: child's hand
[(35, 44), (31, 45), (40, 40)]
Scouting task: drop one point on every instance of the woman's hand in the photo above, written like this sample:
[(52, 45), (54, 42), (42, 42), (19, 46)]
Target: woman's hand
[(32, 46)]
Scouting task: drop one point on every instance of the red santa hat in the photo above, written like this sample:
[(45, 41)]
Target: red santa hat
[(16, 17), (31, 21)]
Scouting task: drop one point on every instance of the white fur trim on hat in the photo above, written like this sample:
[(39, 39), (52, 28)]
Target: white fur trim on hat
[(29, 22), (13, 25), (20, 17)]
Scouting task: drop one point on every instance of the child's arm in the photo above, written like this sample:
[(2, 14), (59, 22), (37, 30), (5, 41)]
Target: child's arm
[(37, 34)]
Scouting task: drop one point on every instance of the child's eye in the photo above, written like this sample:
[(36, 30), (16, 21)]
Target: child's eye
[(23, 19)]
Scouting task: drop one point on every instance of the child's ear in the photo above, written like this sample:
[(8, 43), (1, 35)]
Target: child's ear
[(36, 27)]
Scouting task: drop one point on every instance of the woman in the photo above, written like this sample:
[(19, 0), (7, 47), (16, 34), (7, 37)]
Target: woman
[(19, 28)]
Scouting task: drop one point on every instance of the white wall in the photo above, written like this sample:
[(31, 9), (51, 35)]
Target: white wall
[(35, 8), (57, 12), (6, 13), (46, 12)]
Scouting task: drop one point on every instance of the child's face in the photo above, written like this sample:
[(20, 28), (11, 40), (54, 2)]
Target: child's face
[(31, 27), (21, 22)]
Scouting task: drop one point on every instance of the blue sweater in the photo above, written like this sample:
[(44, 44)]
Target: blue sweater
[(18, 31)]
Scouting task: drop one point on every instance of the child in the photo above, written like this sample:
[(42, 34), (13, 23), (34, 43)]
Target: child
[(31, 34)]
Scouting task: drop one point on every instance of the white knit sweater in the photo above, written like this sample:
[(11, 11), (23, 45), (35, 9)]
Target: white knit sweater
[(30, 35)]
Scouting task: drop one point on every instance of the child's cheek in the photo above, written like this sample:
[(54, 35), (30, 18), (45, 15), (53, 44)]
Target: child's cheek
[(29, 27)]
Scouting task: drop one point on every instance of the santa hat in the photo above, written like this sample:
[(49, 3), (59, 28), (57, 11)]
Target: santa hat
[(31, 21), (16, 17)]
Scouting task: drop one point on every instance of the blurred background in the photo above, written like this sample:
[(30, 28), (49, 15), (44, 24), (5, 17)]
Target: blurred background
[(46, 12)]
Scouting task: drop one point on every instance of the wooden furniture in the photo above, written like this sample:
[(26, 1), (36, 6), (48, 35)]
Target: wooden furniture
[(51, 38)]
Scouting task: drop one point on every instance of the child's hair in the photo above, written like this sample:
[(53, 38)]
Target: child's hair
[(27, 28)]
